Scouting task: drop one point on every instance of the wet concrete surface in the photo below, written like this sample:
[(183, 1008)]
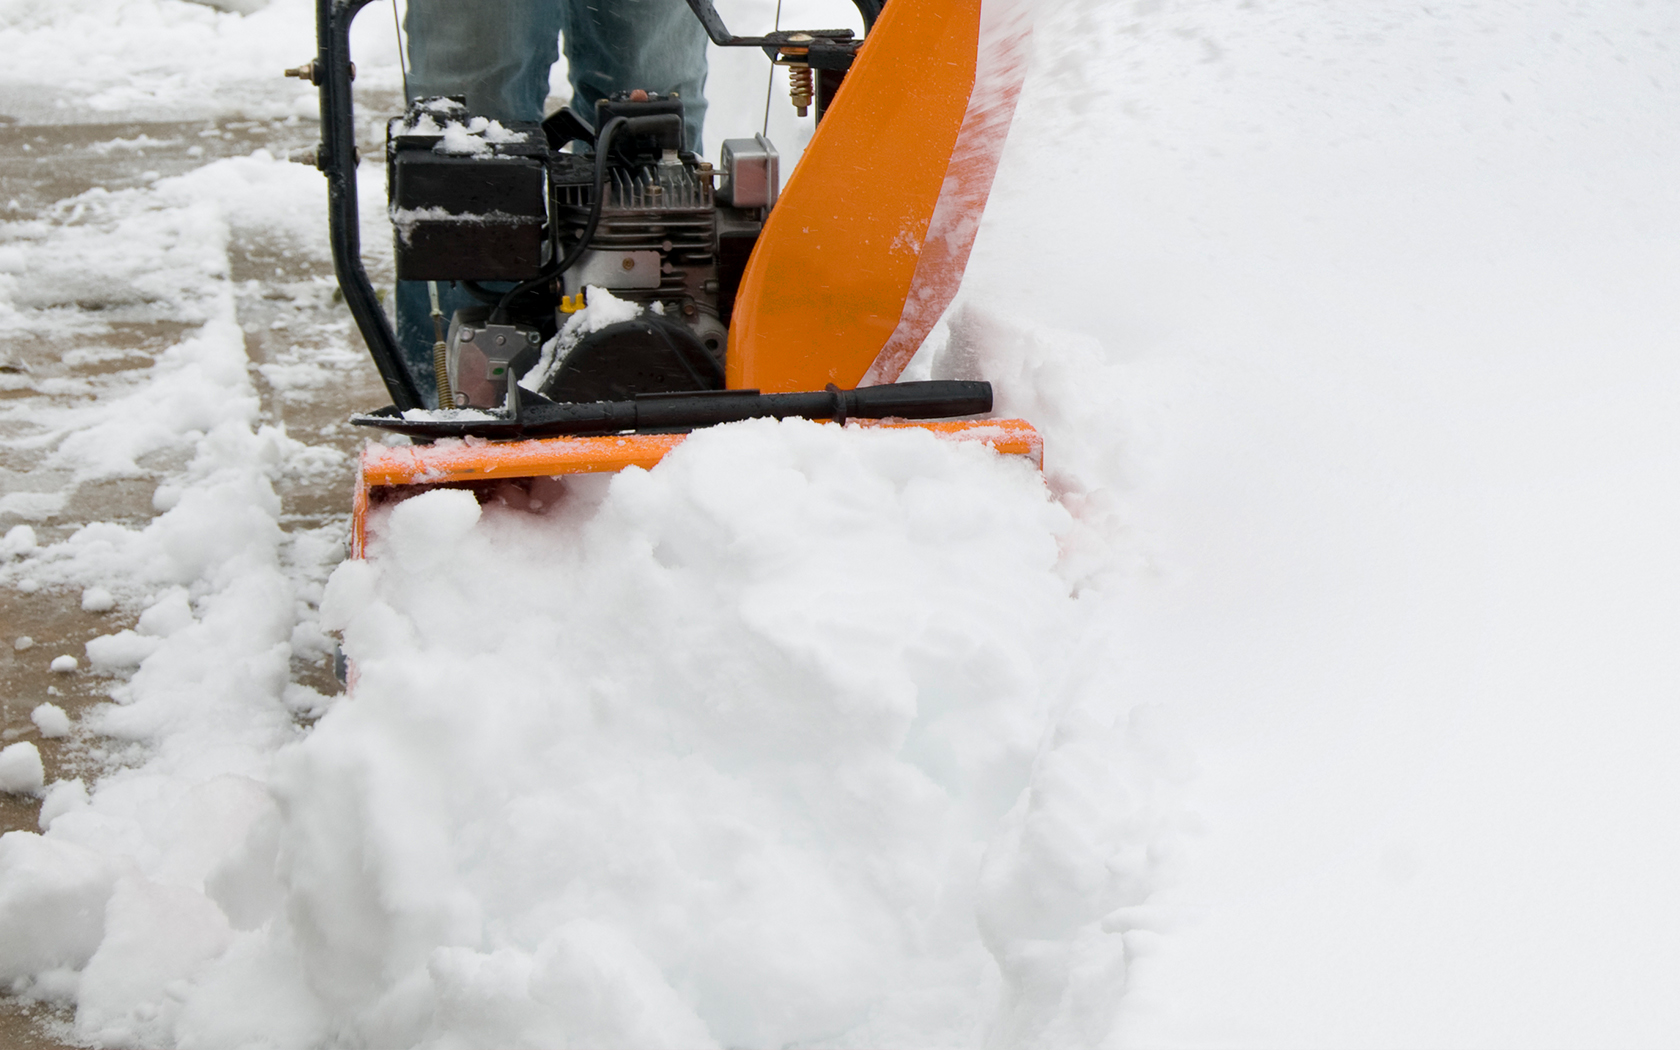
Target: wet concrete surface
[(307, 363), (30, 1026), (41, 164)]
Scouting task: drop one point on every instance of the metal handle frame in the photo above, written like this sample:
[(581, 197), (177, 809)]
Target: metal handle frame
[(337, 161)]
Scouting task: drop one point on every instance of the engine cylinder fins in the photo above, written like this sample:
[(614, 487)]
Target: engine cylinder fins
[(648, 355), (663, 188), (645, 188)]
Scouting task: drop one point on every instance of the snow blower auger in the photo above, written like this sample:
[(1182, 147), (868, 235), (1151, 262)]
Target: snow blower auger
[(731, 302)]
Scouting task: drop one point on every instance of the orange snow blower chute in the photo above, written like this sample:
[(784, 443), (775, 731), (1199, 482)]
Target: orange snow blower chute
[(745, 301)]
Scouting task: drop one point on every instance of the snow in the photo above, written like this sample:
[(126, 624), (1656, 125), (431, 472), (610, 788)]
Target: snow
[(477, 135), (61, 797), (34, 505), (111, 652), (1321, 693), (51, 720), (458, 139), (165, 58), (798, 790), (406, 220), (1392, 356), (97, 600), (52, 904), (154, 936), (20, 769), (171, 612), (19, 539), (64, 664), (447, 415), (601, 308)]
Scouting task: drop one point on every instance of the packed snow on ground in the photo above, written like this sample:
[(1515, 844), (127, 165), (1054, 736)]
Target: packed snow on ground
[(20, 769), (1321, 693), (51, 720)]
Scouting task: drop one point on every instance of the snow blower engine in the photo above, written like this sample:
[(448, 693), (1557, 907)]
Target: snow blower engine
[(613, 214), (632, 213), (629, 293)]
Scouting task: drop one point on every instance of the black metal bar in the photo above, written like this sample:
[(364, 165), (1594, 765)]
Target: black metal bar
[(708, 16), (538, 417), (337, 161), (771, 42), (722, 37)]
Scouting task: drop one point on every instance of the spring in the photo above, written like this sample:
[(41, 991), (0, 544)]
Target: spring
[(440, 350), (799, 86), (440, 371)]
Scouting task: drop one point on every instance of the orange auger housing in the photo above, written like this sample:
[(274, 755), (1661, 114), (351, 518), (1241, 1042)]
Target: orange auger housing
[(854, 264), (384, 469), (867, 245)]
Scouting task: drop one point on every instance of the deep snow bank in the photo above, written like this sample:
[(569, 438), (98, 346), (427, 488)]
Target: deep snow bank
[(730, 753), (800, 738), (1389, 290)]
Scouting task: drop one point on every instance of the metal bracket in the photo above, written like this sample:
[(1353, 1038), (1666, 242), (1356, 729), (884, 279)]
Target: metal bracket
[(772, 43)]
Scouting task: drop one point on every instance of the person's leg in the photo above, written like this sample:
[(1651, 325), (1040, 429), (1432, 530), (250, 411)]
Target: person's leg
[(498, 54), (495, 52), (621, 45)]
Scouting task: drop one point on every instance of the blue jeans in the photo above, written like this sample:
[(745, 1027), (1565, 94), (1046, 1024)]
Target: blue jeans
[(498, 54)]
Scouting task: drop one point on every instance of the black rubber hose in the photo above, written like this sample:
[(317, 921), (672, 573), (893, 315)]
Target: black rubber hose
[(603, 149)]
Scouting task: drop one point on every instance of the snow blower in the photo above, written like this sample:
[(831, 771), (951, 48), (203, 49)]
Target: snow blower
[(642, 293)]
